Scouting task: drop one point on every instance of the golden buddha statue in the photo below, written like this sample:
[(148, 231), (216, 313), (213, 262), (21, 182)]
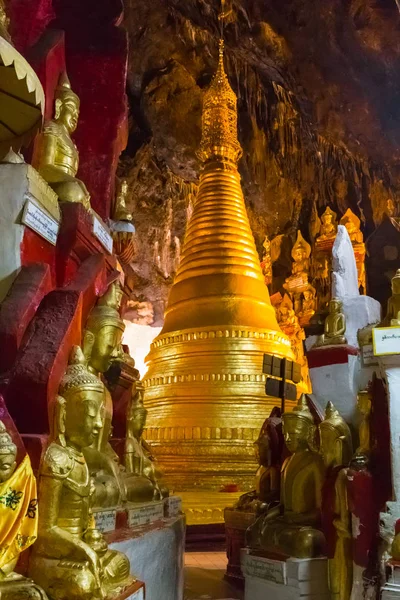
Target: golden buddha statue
[(121, 212), (293, 528), (298, 280), (336, 449), (393, 305), (352, 224), (70, 559), (18, 520), (334, 327), (308, 305), (268, 447), (364, 404), (102, 346), (56, 156), (122, 227), (266, 263), (138, 458), (328, 228)]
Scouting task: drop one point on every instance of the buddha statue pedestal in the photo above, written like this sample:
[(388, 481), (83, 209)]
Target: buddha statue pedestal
[(335, 373), (283, 578)]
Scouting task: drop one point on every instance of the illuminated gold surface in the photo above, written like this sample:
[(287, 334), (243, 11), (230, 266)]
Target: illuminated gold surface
[(336, 449), (352, 224), (70, 559), (205, 507), (56, 156), (204, 389), (334, 327), (393, 305), (18, 520), (293, 526)]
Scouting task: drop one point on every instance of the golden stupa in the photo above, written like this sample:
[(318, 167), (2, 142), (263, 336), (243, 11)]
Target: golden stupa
[(204, 388)]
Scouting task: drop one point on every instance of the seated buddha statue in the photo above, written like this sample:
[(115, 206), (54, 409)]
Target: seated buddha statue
[(328, 228), (293, 527), (334, 327), (56, 156), (393, 305), (336, 450), (308, 304), (18, 520), (137, 458), (268, 447), (70, 559), (298, 280), (102, 347)]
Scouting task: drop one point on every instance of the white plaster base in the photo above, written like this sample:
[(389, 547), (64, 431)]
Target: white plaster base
[(390, 592), (156, 553), (284, 580), (359, 311), (339, 384)]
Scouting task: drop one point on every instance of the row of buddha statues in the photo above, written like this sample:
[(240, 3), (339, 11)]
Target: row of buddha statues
[(79, 474), (303, 485), (309, 285)]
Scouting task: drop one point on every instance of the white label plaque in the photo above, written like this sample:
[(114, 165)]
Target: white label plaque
[(102, 234), (386, 340), (145, 514), (40, 221), (105, 520), (173, 506), (264, 568)]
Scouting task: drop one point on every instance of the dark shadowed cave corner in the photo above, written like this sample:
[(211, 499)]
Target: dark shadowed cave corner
[(319, 118)]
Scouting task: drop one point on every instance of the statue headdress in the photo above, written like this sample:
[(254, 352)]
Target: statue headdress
[(77, 376), (7, 446), (329, 211), (64, 92), (106, 311), (349, 216), (301, 243), (396, 278), (300, 411)]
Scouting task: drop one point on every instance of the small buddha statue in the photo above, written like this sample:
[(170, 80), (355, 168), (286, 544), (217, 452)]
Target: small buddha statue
[(364, 404), (70, 559), (121, 212), (18, 520), (56, 156), (293, 527), (266, 263), (329, 226), (352, 224), (336, 449), (102, 346), (268, 447), (137, 458), (334, 327), (301, 251), (393, 305), (308, 304)]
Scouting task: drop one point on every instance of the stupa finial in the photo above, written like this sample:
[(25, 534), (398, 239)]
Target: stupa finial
[(219, 123)]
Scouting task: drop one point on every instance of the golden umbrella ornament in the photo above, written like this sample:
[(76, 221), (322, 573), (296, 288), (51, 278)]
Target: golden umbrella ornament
[(21, 100)]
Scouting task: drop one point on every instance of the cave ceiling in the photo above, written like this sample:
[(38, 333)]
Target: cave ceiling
[(318, 89)]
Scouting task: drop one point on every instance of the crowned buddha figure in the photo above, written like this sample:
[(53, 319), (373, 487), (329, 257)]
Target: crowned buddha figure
[(56, 156), (293, 527), (352, 224), (268, 449), (393, 305), (298, 280), (308, 305), (18, 520), (336, 449), (138, 459), (71, 559), (334, 327), (102, 347), (328, 228)]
